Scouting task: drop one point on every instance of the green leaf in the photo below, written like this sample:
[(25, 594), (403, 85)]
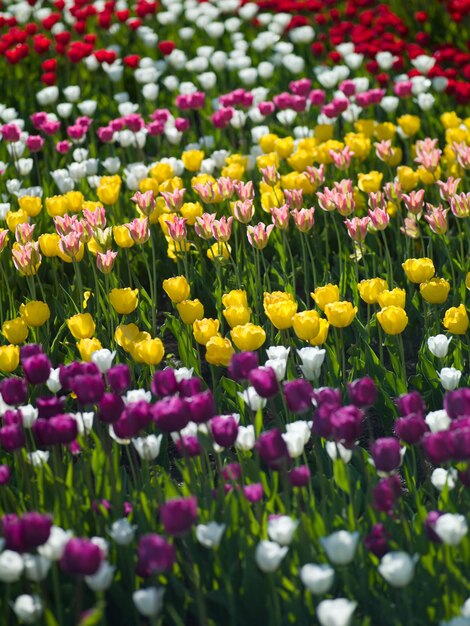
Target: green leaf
[(340, 475)]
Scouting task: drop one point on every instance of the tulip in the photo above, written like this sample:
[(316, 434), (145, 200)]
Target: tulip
[(419, 270), (36, 567), (312, 360), (397, 568), (15, 331), (435, 290), (122, 532), (306, 324), (102, 580), (118, 378), (149, 602), (11, 566), (451, 528), (449, 378), (210, 535), (395, 297), (237, 315), (37, 369), (89, 389), (178, 515), (124, 301), (28, 609), (272, 449), (241, 364), (318, 579), (377, 541), (298, 395), (336, 612), (411, 402), (386, 493), (393, 320), (219, 351), (14, 390), (254, 492), (411, 428), (456, 320), (201, 407), (9, 358), (386, 454), (300, 476), (347, 425), (81, 557), (148, 448), (268, 556), (155, 555), (340, 546), (370, 290), (177, 289), (325, 295), (457, 403), (258, 235), (281, 313), (205, 329), (224, 430), (444, 479), (340, 314), (164, 383), (281, 529), (438, 447), (190, 311), (439, 345), (264, 381)]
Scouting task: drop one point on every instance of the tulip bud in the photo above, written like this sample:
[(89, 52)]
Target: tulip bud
[(178, 515), (81, 557)]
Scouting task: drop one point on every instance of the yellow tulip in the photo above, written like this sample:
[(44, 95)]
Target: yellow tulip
[(237, 315), (177, 288), (151, 352), (35, 313), (87, 346), (192, 160), (393, 320), (82, 326), (276, 296), (49, 244), (410, 124), (419, 270), (14, 218), (395, 297), (15, 330), (191, 210), (284, 147), (322, 335), (281, 314), (122, 237), (125, 335), (219, 251), (219, 351), (190, 311), (435, 291), (340, 314), (407, 178), (369, 290), (9, 358), (456, 320), (205, 329), (236, 297), (306, 325), (161, 172), (248, 336), (266, 142), (124, 301), (325, 295), (31, 205), (370, 182)]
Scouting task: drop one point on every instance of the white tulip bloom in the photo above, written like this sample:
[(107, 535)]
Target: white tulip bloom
[(317, 579), (398, 568), (268, 556), (340, 546)]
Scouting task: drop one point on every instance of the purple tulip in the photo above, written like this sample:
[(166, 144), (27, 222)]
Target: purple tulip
[(119, 378), (411, 429), (264, 380), (5, 474), (201, 407), (322, 425), (50, 406), (26, 533), (12, 437), (171, 414), (438, 447), (363, 392), (189, 387), (178, 515), (110, 407), (81, 557), (457, 403), (430, 525), (347, 425), (189, 446), (385, 494), (386, 453), (241, 365), (89, 389), (37, 368), (13, 533), (224, 430), (411, 402), (60, 429), (164, 383), (232, 472), (377, 541), (30, 349), (135, 417), (68, 372), (254, 492), (12, 418), (272, 449), (14, 390), (327, 395), (154, 555), (460, 443), (298, 394), (300, 476)]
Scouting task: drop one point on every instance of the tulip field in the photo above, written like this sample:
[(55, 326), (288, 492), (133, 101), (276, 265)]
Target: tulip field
[(234, 313)]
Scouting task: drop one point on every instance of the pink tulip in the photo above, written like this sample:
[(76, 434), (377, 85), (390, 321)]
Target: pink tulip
[(258, 235)]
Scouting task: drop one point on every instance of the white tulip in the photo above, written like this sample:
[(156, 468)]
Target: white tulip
[(245, 438), (437, 420), (439, 345), (28, 609), (336, 612), (210, 535), (385, 60), (136, 395), (451, 528), (72, 93), (11, 566), (450, 378), (4, 209), (24, 166), (465, 610), (317, 578), (102, 579), (55, 545), (48, 95), (268, 556), (425, 101), (397, 568), (148, 448), (345, 48), (29, 415), (312, 360), (53, 383), (440, 83), (281, 529), (122, 532), (36, 567), (423, 63), (335, 450), (38, 457), (103, 359), (149, 602), (340, 546), (441, 478), (389, 104), (252, 399), (64, 109)]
